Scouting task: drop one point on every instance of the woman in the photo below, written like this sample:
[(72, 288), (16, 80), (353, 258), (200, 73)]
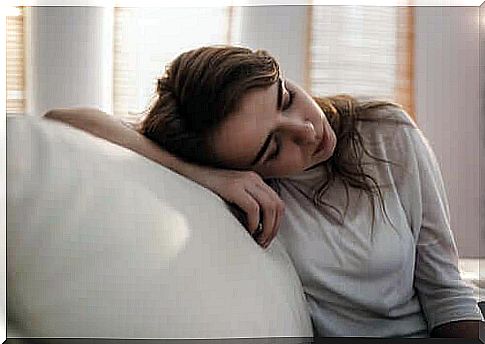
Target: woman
[(366, 219)]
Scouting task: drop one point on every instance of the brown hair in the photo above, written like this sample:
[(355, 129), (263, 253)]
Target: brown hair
[(199, 89), (202, 86)]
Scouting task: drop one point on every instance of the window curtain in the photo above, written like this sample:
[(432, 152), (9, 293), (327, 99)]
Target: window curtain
[(15, 97), (363, 51)]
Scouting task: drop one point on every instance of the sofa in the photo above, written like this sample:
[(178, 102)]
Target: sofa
[(102, 242)]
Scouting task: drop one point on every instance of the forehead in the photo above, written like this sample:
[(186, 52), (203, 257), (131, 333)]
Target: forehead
[(240, 136)]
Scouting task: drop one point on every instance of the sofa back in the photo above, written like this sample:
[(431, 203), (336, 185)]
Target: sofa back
[(102, 242)]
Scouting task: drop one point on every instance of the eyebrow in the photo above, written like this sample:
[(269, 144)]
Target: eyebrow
[(267, 141)]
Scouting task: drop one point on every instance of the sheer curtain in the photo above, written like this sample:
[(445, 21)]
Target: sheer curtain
[(147, 39), (362, 51), (15, 97)]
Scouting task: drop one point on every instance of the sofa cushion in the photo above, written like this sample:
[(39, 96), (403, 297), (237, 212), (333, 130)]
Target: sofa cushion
[(102, 242)]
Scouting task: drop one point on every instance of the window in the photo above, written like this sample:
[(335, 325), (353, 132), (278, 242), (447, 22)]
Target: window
[(147, 39), (362, 51), (15, 60)]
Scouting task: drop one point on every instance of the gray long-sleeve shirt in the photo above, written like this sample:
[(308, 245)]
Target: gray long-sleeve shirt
[(401, 280)]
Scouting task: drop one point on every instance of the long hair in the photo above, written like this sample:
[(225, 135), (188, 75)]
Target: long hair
[(202, 86)]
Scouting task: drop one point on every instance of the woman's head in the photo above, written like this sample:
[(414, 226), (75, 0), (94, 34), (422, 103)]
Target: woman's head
[(229, 107), (276, 131)]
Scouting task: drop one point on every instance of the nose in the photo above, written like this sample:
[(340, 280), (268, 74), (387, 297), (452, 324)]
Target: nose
[(301, 131)]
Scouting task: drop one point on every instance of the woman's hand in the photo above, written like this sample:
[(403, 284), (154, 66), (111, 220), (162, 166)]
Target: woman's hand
[(248, 192)]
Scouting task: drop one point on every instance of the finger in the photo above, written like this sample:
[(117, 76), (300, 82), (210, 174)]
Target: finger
[(269, 190), (279, 216), (251, 209), (257, 233), (278, 210), (268, 212)]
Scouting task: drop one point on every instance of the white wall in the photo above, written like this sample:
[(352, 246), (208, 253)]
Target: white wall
[(482, 134), (69, 58), (447, 109)]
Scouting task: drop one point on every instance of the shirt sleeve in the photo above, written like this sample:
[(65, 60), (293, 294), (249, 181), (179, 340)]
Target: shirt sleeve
[(444, 296)]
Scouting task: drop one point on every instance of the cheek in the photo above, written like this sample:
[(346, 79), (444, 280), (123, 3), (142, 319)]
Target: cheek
[(313, 111), (292, 161)]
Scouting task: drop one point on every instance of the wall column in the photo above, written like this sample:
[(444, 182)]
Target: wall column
[(69, 58)]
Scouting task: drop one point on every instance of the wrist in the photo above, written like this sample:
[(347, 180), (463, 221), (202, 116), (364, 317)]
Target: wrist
[(196, 172)]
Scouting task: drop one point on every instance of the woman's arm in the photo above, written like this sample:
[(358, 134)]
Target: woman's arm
[(448, 303), (245, 189), (111, 129)]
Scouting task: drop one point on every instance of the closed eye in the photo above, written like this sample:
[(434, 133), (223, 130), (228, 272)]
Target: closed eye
[(275, 153), (289, 102), (291, 97)]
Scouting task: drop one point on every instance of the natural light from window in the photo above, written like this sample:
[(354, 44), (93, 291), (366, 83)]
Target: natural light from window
[(147, 39)]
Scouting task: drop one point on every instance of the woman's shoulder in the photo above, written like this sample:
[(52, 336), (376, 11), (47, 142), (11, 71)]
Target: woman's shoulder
[(378, 119), (384, 111), (388, 130)]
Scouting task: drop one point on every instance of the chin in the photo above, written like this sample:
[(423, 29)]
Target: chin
[(321, 161), (314, 165)]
